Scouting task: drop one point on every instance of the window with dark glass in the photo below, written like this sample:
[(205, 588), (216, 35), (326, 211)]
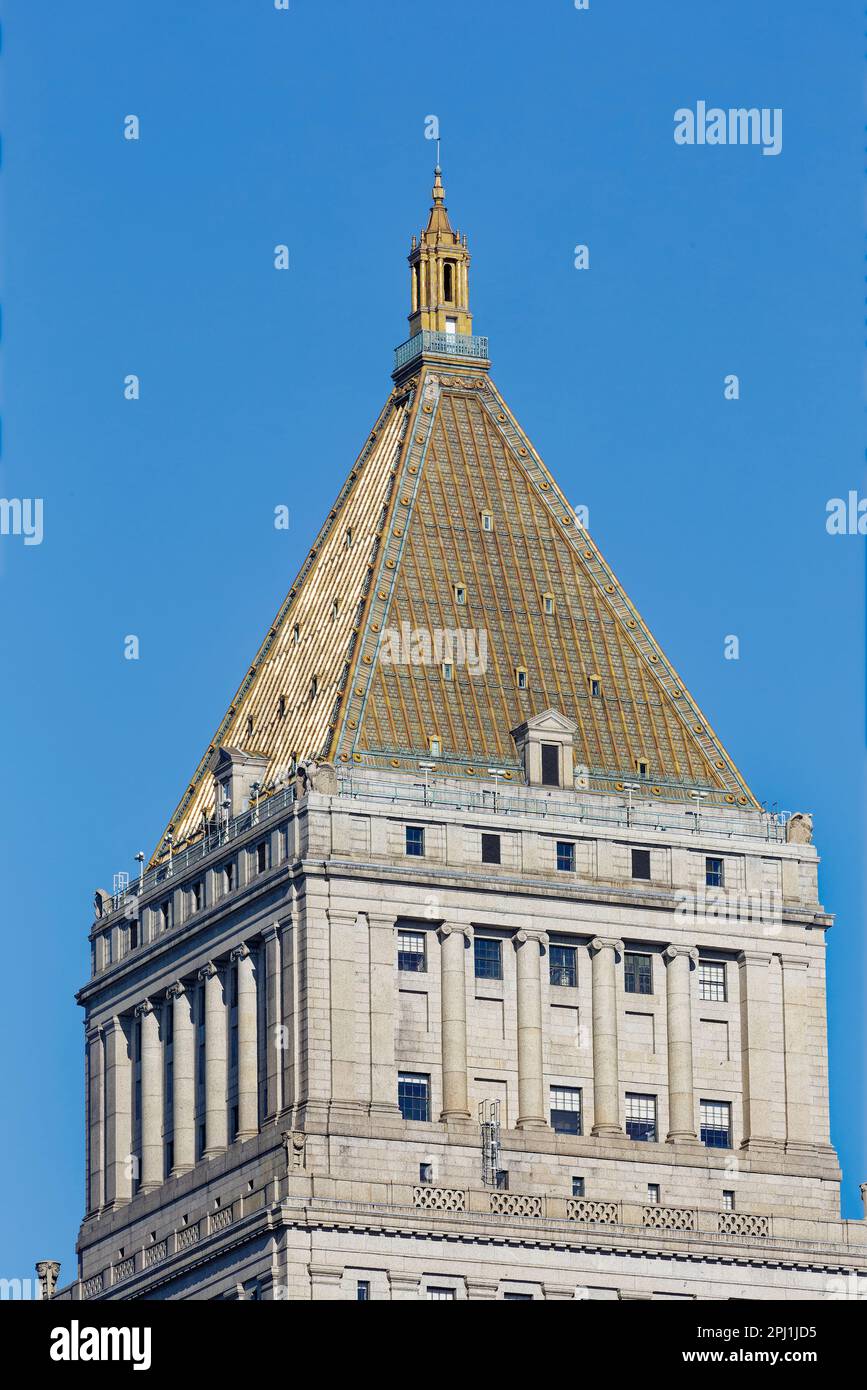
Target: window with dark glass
[(550, 765), (517, 1298), (415, 839), (362, 1291), (712, 980), (425, 1173), (566, 856), (566, 1109), (577, 1187), (637, 973), (714, 872), (563, 966), (641, 863), (490, 849), (262, 857), (641, 1117), (716, 1123), (413, 1095), (411, 953), (488, 956), (501, 1180)]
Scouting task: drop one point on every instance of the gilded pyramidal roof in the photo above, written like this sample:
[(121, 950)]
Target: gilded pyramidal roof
[(450, 596)]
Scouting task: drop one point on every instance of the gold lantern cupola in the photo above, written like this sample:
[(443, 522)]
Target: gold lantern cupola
[(439, 268)]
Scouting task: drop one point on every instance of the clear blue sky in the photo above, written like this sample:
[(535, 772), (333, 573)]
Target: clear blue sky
[(258, 387)]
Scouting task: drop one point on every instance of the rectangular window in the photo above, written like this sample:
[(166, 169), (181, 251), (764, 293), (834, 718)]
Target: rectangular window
[(133, 936), (562, 963), (549, 606), (262, 857), (490, 849), (411, 951), (566, 856), (653, 1194), (712, 980), (413, 1095), (716, 1123), (487, 521), (728, 1199), (425, 1173), (166, 914), (488, 958), (550, 765), (577, 1187), (637, 973), (521, 677), (198, 896), (641, 863), (362, 1291), (501, 1180), (517, 1298), (714, 872), (594, 685), (641, 1117), (229, 877), (460, 595), (437, 1292), (566, 1109), (415, 840)]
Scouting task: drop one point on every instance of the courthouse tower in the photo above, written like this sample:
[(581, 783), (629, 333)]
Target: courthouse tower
[(463, 848)]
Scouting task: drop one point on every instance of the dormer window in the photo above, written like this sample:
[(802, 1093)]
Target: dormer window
[(249, 725), (642, 767), (335, 608), (594, 685), (348, 537), (487, 521), (460, 594), (434, 746), (314, 688), (296, 634), (281, 707), (448, 671), (549, 606), (521, 677)]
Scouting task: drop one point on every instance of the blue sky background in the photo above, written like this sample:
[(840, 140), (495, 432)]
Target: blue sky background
[(258, 387)]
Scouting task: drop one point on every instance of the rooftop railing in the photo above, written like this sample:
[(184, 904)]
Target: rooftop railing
[(590, 811), (447, 344)]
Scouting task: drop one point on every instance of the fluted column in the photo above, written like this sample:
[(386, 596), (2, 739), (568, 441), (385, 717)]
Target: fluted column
[(183, 1078), (95, 1074), (529, 946), (273, 984), (453, 1005), (248, 1072), (216, 1068), (756, 1065), (606, 1075), (151, 1056), (679, 961), (118, 1113), (801, 1132), (383, 997)]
